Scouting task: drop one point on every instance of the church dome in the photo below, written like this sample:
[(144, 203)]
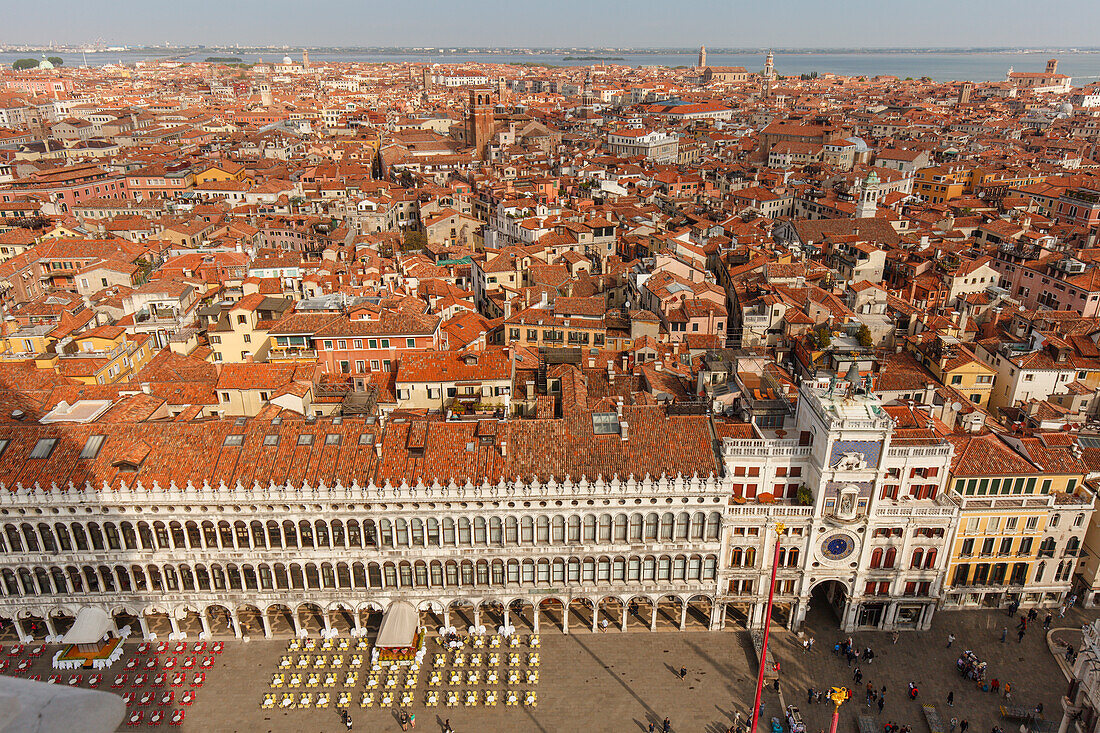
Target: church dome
[(45, 63), (287, 60)]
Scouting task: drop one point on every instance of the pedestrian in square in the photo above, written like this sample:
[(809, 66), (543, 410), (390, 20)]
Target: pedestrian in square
[(1008, 691), (950, 640), (683, 672), (1020, 636), (666, 726), (858, 675), (1032, 614), (963, 725), (1004, 634), (954, 725), (881, 703), (1046, 621), (896, 635), (951, 698), (809, 695)]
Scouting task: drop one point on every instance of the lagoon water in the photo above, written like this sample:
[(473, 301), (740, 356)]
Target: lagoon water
[(960, 66)]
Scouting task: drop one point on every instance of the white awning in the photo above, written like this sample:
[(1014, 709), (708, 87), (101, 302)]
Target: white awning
[(398, 625), (89, 627)]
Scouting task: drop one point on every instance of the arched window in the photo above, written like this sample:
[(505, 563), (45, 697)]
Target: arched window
[(918, 558), (876, 558), (891, 557), (792, 557), (930, 559), (1073, 545), (737, 558)]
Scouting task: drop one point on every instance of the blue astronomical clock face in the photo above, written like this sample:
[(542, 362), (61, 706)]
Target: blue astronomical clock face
[(837, 546)]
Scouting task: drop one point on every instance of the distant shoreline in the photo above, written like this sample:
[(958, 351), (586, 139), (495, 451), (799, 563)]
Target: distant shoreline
[(576, 54)]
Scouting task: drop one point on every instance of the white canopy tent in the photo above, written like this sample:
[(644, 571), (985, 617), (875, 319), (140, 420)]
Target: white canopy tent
[(399, 625), (89, 627)]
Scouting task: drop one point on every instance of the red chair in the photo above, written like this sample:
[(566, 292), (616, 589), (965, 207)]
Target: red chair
[(170, 663), (217, 648), (36, 677), (199, 648), (156, 718), (162, 647), (180, 648), (128, 698), (167, 697), (146, 698), (207, 662), (139, 681), (4, 665), (55, 679), (75, 679), (23, 666), (187, 697), (199, 679), (16, 650), (158, 681), (135, 717), (94, 680), (37, 650), (142, 647), (189, 663), (151, 664), (177, 718), (131, 663), (120, 681), (178, 679)]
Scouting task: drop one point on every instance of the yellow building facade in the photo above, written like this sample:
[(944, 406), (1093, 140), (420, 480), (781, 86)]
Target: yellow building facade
[(1023, 514)]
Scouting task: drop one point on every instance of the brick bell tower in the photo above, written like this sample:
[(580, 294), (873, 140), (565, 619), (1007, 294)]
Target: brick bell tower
[(479, 121)]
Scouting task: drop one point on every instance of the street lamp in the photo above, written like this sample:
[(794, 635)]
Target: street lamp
[(779, 529)]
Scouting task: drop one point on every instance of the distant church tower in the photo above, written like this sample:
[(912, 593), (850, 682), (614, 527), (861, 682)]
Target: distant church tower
[(1052, 66), (588, 99), (479, 122), (769, 66), (305, 57), (265, 94), (868, 197), (964, 93), (702, 57)]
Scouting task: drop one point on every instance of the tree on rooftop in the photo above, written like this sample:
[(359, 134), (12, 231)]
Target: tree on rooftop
[(55, 60), (23, 64), (414, 241), (864, 336)]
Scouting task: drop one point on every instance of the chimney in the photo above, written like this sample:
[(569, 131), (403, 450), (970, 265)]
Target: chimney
[(378, 448), (624, 430), (591, 361), (659, 366), (619, 407), (504, 447), (146, 388)]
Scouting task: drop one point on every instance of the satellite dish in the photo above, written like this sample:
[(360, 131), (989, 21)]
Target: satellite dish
[(956, 407)]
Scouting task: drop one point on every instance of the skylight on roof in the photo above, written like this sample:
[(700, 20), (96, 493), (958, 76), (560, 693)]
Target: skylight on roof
[(271, 439), (305, 439), (605, 423), (1088, 442), (332, 439), (92, 446), (43, 448), (234, 439)]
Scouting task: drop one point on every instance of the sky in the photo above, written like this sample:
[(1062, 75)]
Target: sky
[(586, 23)]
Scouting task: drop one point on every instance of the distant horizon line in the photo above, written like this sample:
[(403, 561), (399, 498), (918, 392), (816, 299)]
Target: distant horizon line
[(448, 48)]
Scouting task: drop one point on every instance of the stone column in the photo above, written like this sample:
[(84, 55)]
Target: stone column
[(142, 626), (1063, 726), (266, 625), (49, 625), (715, 617), (18, 628), (358, 623), (653, 616), (622, 626), (506, 620), (565, 617), (328, 622), (595, 617), (447, 617), (205, 623), (477, 616), (296, 621), (175, 624), (535, 617), (683, 615)]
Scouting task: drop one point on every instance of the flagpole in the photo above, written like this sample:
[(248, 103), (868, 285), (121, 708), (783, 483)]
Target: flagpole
[(779, 528)]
